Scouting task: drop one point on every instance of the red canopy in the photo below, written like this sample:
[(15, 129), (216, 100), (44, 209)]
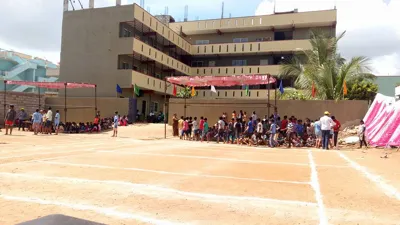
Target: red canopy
[(201, 81), (51, 85)]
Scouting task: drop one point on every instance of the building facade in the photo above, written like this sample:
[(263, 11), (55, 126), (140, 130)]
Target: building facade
[(387, 84), (127, 46), (22, 67)]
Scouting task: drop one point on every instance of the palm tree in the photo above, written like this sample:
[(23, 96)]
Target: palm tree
[(323, 66)]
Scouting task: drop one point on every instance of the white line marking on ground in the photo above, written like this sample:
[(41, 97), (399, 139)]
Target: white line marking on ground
[(173, 173), (99, 210), (212, 158), (205, 157), (389, 190), (157, 191), (42, 153), (315, 185)]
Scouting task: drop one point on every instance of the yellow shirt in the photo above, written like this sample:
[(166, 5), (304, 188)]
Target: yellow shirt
[(180, 124)]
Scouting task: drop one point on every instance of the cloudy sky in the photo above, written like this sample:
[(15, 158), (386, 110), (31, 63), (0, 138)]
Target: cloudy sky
[(373, 26)]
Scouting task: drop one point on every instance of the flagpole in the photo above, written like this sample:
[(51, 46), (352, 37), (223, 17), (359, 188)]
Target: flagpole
[(165, 107), (269, 83), (276, 87)]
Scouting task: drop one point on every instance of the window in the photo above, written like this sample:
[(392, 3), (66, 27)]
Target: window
[(240, 62), (264, 62), (197, 64), (154, 107), (202, 42), (211, 63), (125, 65), (240, 40), (283, 35), (126, 33)]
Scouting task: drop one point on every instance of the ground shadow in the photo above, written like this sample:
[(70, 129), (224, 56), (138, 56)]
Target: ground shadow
[(58, 219)]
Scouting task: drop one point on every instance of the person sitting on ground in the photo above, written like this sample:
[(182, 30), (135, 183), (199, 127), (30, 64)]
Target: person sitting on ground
[(253, 140)]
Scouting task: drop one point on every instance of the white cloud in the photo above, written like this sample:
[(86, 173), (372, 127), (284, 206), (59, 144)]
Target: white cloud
[(373, 27)]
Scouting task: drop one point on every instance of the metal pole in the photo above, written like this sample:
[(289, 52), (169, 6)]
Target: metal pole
[(95, 99), (165, 108), (269, 83), (39, 97), (276, 102), (184, 109), (65, 102), (5, 101)]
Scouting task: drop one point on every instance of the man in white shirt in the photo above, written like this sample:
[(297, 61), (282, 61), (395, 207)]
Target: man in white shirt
[(254, 116), (221, 129), (326, 126), (49, 121)]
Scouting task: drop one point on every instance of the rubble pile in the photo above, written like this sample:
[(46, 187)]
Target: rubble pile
[(348, 136)]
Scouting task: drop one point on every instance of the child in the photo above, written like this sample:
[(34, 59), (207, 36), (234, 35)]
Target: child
[(205, 130), (272, 130), (361, 134), (115, 124)]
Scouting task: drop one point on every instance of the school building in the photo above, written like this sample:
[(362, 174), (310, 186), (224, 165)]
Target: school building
[(125, 45)]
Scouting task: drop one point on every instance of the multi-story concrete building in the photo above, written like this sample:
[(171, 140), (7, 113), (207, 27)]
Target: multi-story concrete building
[(126, 45), (19, 66)]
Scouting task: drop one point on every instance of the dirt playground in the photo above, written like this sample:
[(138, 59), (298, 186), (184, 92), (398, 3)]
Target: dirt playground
[(140, 178)]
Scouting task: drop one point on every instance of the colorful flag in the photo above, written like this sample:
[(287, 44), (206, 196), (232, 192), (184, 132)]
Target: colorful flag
[(313, 90), (136, 90), (174, 91), (344, 88), (247, 90), (193, 92), (213, 89), (281, 87), (118, 89)]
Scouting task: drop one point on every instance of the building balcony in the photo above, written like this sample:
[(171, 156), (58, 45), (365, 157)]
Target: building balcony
[(235, 70), (153, 23), (236, 94), (160, 57), (286, 46), (253, 23), (151, 83)]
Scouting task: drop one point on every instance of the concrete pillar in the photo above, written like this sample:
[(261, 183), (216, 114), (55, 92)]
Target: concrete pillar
[(117, 2), (65, 5), (91, 4)]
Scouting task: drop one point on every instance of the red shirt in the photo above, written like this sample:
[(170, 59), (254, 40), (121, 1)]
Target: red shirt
[(284, 124), (201, 126), (337, 125)]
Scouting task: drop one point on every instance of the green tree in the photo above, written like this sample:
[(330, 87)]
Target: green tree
[(293, 94), (184, 93), (361, 90), (323, 66)]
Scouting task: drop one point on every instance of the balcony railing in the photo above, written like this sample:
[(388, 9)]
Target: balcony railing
[(235, 70), (302, 19), (154, 54), (152, 83), (251, 47)]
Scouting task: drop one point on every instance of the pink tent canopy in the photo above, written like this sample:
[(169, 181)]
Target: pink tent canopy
[(51, 85), (202, 81)]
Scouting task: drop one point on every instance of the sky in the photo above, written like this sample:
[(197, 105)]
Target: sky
[(372, 26)]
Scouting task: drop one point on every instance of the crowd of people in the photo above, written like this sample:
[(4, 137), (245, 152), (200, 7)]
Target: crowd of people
[(269, 131), (43, 122)]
